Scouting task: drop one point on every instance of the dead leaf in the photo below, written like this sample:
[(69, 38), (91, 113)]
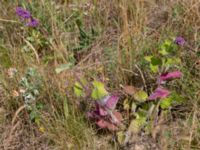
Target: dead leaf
[(15, 93), (130, 90)]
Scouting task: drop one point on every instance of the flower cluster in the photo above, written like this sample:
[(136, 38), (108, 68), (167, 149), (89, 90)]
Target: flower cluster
[(104, 115), (25, 15), (180, 41)]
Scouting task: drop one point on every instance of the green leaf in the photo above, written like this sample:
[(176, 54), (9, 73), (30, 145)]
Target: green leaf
[(78, 89), (156, 61), (136, 124), (39, 106), (148, 58), (163, 52), (167, 42), (63, 67), (121, 137), (99, 90), (34, 115), (177, 99), (173, 99), (167, 47), (172, 61), (154, 68), (140, 96), (165, 103)]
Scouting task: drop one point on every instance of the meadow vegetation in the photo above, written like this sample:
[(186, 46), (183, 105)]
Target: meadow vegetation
[(99, 74)]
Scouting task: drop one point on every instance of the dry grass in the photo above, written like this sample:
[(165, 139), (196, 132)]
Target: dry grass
[(126, 31)]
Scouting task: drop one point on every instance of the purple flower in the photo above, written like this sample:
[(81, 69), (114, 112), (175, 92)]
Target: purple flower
[(27, 17), (159, 93), (25, 14), (169, 76), (32, 23), (180, 41)]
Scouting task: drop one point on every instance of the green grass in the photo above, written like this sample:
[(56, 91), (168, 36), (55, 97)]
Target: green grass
[(97, 40)]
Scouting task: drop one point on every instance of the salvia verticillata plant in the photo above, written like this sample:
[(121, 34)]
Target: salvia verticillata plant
[(105, 115), (167, 60)]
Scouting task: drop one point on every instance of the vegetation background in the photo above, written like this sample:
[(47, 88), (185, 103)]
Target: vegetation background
[(103, 40)]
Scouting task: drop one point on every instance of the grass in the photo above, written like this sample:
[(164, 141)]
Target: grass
[(98, 40)]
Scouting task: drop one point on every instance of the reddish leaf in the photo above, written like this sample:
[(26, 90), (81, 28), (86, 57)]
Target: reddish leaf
[(112, 102), (159, 93), (169, 76), (105, 124), (109, 101), (118, 116), (102, 111), (103, 101)]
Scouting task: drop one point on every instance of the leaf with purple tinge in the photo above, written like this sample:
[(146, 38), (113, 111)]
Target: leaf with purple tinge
[(159, 93), (104, 123), (102, 111), (169, 76), (109, 101), (112, 102), (98, 112)]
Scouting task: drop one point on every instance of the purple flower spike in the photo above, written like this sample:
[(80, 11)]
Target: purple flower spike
[(33, 23), (159, 93), (169, 76), (180, 41), (23, 13)]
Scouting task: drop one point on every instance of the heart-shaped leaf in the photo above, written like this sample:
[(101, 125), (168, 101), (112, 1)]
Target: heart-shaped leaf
[(99, 90), (159, 93), (165, 103), (140, 96)]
